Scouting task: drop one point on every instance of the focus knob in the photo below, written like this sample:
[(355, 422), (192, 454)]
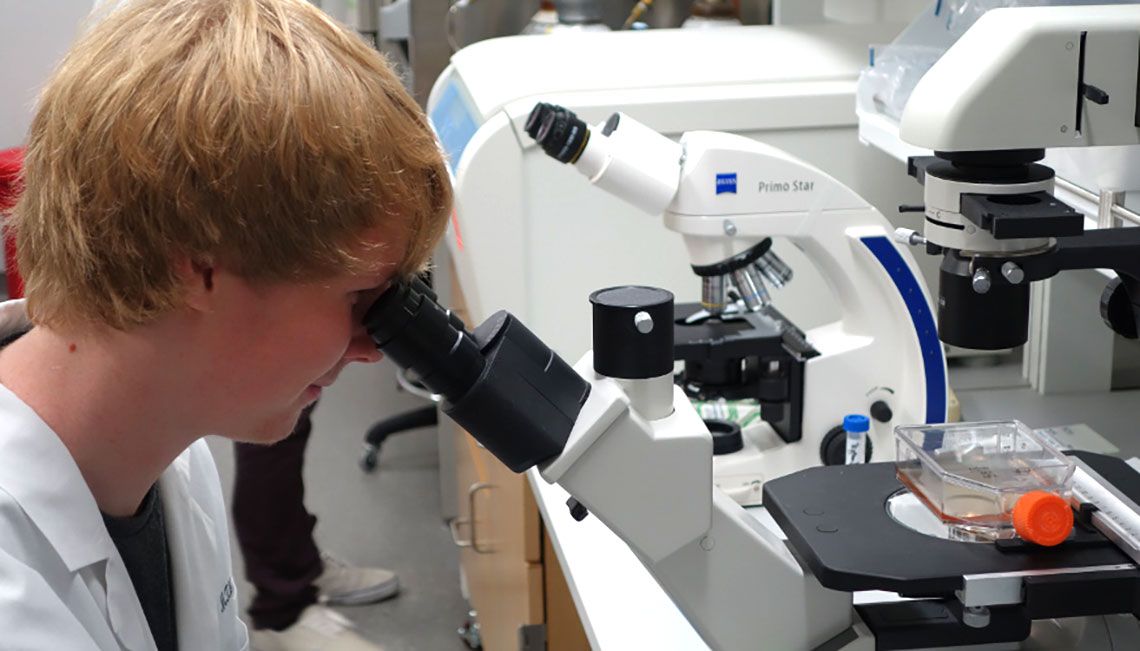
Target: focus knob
[(881, 411), (1117, 310), (577, 510)]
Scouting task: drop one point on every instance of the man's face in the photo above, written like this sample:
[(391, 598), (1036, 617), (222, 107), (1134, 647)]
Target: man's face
[(278, 347)]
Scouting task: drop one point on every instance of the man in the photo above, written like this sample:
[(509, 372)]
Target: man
[(215, 191)]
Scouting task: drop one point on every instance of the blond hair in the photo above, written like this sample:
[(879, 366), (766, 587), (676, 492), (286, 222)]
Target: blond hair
[(258, 133)]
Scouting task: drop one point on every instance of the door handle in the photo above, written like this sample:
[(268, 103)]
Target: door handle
[(453, 525)]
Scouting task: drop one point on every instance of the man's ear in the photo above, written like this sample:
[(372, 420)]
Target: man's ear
[(197, 278)]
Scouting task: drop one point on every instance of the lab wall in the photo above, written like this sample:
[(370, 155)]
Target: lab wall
[(34, 34)]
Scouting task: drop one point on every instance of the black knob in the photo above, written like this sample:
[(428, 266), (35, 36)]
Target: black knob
[(881, 411), (833, 448), (1117, 309), (1095, 95), (577, 511), (633, 332), (726, 436)]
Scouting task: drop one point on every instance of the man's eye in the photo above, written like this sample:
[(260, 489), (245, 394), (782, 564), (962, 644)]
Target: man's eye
[(363, 299)]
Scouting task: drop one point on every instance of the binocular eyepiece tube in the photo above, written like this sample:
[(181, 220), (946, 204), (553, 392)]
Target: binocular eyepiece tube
[(501, 383), (622, 157)]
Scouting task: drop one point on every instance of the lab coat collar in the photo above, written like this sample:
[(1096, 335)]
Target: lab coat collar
[(14, 318), (55, 496)]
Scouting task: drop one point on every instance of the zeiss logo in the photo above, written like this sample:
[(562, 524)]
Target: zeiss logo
[(726, 183)]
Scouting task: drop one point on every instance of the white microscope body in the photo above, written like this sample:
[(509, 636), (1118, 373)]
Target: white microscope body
[(725, 194)]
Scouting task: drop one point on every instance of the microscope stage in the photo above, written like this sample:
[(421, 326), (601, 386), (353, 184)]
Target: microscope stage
[(837, 523)]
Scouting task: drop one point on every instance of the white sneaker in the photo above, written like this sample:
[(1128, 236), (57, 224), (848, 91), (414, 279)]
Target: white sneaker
[(318, 629), (342, 584)]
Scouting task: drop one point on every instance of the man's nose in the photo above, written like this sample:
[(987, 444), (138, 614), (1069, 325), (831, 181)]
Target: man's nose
[(361, 348)]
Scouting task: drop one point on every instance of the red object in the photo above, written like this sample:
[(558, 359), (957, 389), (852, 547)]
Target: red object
[(11, 184)]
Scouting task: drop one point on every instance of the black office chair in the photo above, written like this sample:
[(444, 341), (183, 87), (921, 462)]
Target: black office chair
[(409, 420)]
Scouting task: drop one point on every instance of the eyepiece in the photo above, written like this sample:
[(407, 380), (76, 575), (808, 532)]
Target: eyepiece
[(501, 382), (418, 334), (560, 133), (537, 115)]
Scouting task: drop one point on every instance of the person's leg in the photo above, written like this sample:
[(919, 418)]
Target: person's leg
[(274, 530)]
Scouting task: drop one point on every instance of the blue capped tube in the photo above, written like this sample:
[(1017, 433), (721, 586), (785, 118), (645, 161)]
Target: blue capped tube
[(856, 426)]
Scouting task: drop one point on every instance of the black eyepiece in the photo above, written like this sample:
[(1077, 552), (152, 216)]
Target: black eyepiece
[(537, 114), (501, 382), (418, 334), (560, 133)]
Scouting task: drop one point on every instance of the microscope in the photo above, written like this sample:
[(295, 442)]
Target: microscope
[(987, 109), (729, 196)]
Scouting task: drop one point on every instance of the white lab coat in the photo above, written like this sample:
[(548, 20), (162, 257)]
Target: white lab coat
[(63, 584)]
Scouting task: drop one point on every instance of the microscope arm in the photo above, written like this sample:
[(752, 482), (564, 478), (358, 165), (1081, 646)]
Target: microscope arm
[(1111, 248)]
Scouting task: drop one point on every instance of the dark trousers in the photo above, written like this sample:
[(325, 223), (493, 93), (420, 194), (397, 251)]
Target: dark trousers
[(274, 531)]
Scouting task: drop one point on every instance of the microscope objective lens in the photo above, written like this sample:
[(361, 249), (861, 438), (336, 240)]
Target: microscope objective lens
[(751, 287), (713, 293), (774, 269)]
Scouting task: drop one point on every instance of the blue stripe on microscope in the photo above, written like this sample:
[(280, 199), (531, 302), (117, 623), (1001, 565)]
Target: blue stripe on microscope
[(921, 318)]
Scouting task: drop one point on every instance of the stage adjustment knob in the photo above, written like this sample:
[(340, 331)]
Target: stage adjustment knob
[(881, 411)]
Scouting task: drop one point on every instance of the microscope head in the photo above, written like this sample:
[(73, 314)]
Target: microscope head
[(1018, 81), (644, 168)]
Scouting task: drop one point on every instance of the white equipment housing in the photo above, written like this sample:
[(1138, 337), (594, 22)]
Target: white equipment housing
[(988, 91)]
